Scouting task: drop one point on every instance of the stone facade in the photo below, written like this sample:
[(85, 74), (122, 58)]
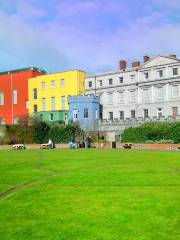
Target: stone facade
[(150, 91)]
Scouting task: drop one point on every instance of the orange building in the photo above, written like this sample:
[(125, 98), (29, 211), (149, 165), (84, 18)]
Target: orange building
[(14, 94)]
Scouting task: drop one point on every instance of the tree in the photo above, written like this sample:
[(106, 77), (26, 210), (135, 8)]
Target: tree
[(41, 131)]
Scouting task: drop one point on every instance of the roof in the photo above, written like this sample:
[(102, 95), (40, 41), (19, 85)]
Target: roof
[(24, 70)]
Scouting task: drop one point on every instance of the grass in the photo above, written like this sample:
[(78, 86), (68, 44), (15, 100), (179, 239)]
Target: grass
[(90, 195)]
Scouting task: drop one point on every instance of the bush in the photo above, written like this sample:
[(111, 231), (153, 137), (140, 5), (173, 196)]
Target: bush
[(163, 141), (155, 131), (149, 141)]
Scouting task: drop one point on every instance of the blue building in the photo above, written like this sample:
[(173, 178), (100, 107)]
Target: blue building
[(85, 110)]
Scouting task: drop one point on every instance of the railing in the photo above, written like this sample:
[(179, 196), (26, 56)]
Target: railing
[(139, 120)]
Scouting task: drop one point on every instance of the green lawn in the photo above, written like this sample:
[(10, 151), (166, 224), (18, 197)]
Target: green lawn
[(90, 195)]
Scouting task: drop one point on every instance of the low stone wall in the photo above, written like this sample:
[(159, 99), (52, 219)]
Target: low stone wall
[(141, 146), (153, 146), (107, 145), (33, 146)]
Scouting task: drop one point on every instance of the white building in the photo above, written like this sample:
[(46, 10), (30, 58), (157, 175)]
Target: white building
[(142, 92)]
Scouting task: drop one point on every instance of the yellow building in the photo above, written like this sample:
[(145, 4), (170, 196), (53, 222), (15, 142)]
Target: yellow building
[(50, 92)]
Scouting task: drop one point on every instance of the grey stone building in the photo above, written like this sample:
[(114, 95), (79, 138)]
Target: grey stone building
[(144, 92)]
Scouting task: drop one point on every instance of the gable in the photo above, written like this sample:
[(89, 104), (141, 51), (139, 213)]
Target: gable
[(159, 60)]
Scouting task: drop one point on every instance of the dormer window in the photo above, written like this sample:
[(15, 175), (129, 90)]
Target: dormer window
[(175, 71), (146, 75)]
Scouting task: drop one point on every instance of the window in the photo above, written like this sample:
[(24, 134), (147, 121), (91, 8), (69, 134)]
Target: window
[(132, 98), (159, 112), (63, 103), (121, 80), (1, 98), (35, 108), (96, 114), (175, 71), (86, 113), (65, 117), (174, 91), (15, 121), (52, 84), (146, 95), (35, 93), (132, 77), (101, 111), (111, 115), (62, 83), (160, 73), (160, 93), (43, 104), (41, 116), (100, 83), (146, 114), (27, 104), (174, 112), (14, 96), (51, 117), (110, 98), (121, 97), (75, 115), (110, 81), (53, 103), (121, 113), (90, 84), (43, 85), (2, 121), (146, 75), (133, 114)]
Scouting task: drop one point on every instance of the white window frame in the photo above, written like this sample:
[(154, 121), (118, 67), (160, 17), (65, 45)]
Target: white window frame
[(75, 115), (53, 103), (43, 85), (86, 113), (132, 97), (175, 70), (27, 104), (62, 83), (14, 93), (53, 84), (1, 98), (110, 98), (90, 84), (175, 96), (43, 104), (63, 101), (2, 121), (121, 97), (160, 93)]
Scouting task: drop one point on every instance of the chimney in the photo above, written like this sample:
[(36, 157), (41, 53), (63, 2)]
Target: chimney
[(136, 64), (146, 58), (122, 65), (172, 56)]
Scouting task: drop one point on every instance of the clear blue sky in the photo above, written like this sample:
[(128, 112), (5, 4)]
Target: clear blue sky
[(91, 35)]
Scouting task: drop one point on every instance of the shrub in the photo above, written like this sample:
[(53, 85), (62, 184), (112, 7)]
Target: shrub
[(163, 141), (155, 131), (149, 141)]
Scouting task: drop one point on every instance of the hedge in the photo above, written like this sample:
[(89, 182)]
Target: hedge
[(156, 131)]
